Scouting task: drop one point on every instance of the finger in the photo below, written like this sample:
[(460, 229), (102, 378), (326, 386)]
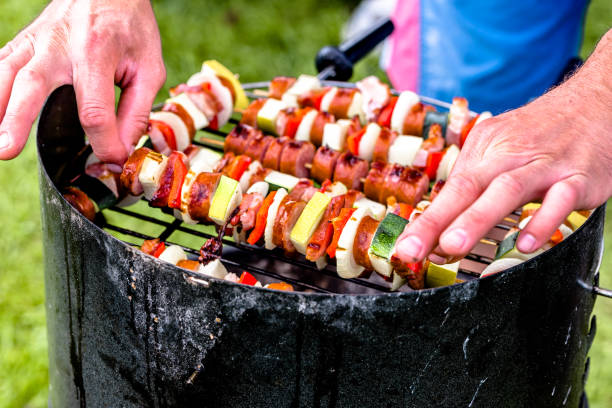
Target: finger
[(458, 193), (95, 91), (135, 106), (31, 87), (505, 194), (559, 201), (9, 66)]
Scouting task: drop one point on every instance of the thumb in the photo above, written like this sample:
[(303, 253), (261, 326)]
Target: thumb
[(95, 91)]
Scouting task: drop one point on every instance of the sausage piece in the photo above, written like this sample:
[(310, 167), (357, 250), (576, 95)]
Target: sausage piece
[(365, 232), (324, 163), (200, 195), (249, 116), (318, 127), (257, 146), (384, 142), (323, 234), (295, 155), (272, 156), (280, 85), (350, 169), (237, 140), (131, 169), (374, 181)]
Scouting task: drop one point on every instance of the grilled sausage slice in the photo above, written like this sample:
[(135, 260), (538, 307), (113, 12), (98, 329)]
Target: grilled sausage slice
[(272, 156), (350, 170), (237, 140), (323, 234), (318, 127), (324, 163), (295, 155), (201, 194), (129, 176), (381, 148), (257, 146), (365, 232)]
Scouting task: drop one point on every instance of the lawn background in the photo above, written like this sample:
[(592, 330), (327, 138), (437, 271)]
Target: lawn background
[(259, 40)]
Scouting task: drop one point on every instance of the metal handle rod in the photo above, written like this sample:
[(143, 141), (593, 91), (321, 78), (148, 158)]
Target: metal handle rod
[(356, 48), (602, 291), (337, 62)]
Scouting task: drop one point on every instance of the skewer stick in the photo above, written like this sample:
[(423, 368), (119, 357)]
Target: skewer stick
[(261, 92)]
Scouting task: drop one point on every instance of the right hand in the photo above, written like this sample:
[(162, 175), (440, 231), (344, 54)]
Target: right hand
[(93, 45)]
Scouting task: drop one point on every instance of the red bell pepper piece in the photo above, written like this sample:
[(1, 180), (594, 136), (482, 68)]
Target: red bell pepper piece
[(240, 165), (466, 130), (260, 219), (166, 130), (324, 185), (338, 224), (214, 123), (433, 161), (159, 249), (280, 286), (405, 210), (556, 237), (353, 140), (180, 171), (247, 279), (384, 118)]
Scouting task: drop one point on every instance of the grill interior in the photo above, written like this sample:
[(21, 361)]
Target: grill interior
[(138, 222)]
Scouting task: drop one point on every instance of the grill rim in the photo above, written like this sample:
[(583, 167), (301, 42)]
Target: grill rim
[(47, 114)]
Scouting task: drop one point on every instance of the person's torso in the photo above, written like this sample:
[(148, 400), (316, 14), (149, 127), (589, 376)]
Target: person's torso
[(498, 54)]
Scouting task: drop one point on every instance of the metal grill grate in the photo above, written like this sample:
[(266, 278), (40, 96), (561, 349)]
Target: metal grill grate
[(269, 266)]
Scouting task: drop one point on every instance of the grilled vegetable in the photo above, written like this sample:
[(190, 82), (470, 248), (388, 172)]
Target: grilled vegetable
[(383, 243), (151, 171), (266, 117), (404, 149), (281, 193), (227, 197), (173, 254), (308, 221), (278, 180), (240, 99), (441, 275), (405, 102), (345, 260)]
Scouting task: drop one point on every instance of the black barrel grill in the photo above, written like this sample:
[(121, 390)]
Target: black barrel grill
[(126, 329)]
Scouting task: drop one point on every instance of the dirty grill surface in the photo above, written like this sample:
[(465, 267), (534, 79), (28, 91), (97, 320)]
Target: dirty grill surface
[(269, 266)]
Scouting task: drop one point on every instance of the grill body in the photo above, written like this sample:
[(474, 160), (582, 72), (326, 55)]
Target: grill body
[(128, 330)]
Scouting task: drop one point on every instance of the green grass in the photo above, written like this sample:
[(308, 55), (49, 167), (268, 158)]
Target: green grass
[(259, 42)]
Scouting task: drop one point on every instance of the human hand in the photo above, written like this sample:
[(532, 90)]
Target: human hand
[(93, 45), (557, 148)]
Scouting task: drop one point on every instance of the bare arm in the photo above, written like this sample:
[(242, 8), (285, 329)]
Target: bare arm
[(557, 148), (92, 44)]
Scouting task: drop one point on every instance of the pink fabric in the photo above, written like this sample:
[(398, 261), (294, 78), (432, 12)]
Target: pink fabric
[(404, 62)]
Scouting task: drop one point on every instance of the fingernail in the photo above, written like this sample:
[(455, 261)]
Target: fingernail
[(437, 259), (454, 240), (4, 140), (526, 243), (410, 247)]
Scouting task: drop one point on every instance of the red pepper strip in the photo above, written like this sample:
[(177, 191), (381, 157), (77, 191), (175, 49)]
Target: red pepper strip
[(415, 267), (214, 123), (180, 171), (466, 130), (247, 279), (166, 130), (325, 184), (338, 224), (159, 249), (353, 141), (556, 237), (384, 118), (433, 161), (293, 122), (280, 286), (260, 220), (405, 210), (241, 164)]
